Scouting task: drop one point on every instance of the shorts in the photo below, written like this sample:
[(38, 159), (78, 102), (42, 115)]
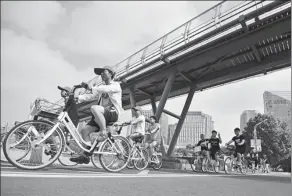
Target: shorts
[(109, 115), (213, 152), (137, 137), (240, 150)]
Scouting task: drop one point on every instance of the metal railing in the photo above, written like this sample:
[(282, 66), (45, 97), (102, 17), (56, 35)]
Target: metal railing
[(195, 30)]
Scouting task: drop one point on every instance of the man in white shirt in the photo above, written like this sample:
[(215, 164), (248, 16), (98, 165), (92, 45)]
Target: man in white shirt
[(138, 124), (107, 111)]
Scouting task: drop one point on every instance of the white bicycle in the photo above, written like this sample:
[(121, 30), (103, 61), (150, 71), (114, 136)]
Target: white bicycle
[(45, 142)]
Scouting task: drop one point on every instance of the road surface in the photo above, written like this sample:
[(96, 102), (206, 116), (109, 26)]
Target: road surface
[(85, 181)]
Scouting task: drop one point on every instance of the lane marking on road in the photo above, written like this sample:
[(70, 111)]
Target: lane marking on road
[(107, 175), (144, 172)]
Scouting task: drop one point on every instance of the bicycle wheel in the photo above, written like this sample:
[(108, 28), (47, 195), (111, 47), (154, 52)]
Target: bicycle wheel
[(96, 161), (115, 154), (243, 168), (141, 159), (49, 150), (194, 163), (157, 162), (130, 164), (228, 165), (64, 158), (204, 164), (216, 166)]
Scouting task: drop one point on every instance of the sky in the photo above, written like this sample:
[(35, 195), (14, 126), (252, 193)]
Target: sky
[(46, 44)]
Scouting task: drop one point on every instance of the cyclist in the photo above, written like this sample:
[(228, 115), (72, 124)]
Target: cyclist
[(155, 136), (265, 163), (215, 146), (203, 143), (240, 146), (138, 124), (108, 109)]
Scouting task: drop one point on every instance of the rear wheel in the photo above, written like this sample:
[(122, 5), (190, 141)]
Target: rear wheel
[(64, 158), (21, 149)]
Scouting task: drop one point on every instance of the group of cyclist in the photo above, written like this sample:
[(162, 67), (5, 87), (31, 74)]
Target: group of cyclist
[(108, 110), (211, 148)]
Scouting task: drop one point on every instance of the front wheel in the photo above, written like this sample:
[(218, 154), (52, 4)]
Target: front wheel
[(20, 145), (114, 155), (156, 161), (140, 159), (228, 165), (194, 163), (216, 166)]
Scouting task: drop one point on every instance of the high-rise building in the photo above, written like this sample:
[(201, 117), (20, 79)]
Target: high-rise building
[(194, 125), (245, 116), (278, 105)]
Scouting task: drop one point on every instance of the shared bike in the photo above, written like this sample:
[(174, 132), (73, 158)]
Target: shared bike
[(45, 141)]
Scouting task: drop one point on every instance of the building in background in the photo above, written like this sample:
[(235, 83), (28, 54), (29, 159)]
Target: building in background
[(194, 125), (163, 121), (245, 116), (278, 105)]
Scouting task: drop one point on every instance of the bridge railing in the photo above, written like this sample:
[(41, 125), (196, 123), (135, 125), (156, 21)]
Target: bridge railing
[(197, 29)]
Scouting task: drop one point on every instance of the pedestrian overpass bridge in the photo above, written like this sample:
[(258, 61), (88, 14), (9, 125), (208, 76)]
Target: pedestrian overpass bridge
[(249, 39)]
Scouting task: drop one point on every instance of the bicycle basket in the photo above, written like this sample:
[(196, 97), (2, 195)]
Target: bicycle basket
[(43, 108)]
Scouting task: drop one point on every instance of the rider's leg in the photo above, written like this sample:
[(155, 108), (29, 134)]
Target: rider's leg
[(151, 148), (98, 113), (85, 133), (239, 158)]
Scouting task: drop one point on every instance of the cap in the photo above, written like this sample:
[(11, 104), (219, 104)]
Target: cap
[(138, 108), (66, 88), (98, 71)]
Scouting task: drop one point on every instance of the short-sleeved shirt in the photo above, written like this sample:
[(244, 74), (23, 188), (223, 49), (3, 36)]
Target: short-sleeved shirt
[(215, 144), (237, 140), (154, 131), (203, 143), (138, 124)]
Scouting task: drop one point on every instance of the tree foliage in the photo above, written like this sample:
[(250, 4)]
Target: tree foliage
[(275, 137)]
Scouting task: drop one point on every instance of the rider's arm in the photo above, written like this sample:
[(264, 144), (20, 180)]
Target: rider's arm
[(112, 88), (199, 143), (230, 142), (242, 141), (136, 120)]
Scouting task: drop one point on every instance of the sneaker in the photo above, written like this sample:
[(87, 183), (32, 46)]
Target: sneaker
[(81, 159)]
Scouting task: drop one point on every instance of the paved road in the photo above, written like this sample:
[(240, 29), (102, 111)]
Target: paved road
[(84, 181)]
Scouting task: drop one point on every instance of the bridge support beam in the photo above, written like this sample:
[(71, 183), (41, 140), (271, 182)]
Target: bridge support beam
[(132, 101), (165, 94), (153, 104), (181, 120)]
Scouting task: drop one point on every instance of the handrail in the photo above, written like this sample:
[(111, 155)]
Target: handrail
[(182, 41)]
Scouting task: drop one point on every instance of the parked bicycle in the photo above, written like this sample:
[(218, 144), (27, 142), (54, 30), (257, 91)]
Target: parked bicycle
[(45, 136)]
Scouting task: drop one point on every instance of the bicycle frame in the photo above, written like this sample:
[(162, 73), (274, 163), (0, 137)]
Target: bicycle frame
[(65, 119)]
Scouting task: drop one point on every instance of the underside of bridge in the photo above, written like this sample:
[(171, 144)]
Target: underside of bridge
[(253, 49)]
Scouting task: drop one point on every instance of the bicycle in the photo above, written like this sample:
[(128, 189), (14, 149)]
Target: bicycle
[(210, 165), (138, 155), (197, 158), (230, 165), (43, 134)]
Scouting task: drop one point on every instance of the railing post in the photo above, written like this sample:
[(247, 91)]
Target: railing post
[(181, 121)]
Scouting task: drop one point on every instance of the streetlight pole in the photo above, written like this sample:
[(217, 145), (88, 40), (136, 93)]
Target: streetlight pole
[(255, 133)]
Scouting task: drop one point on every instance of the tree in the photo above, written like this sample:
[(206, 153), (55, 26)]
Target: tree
[(274, 135)]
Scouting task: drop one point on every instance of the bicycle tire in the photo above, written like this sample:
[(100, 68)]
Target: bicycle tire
[(193, 164), (97, 165), (226, 165), (204, 167), (145, 154), (63, 163), (51, 161), (215, 167), (126, 154), (159, 165)]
